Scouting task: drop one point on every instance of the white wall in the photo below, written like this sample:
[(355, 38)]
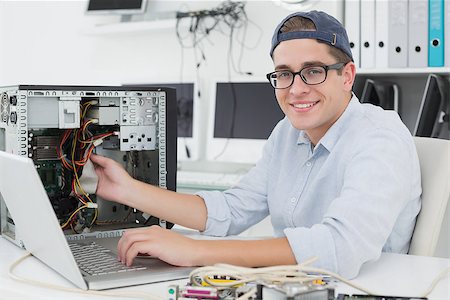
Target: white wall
[(51, 42)]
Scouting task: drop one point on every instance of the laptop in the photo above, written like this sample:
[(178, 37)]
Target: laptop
[(41, 234)]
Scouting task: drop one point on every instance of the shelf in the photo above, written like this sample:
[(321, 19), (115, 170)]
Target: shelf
[(131, 27), (403, 71)]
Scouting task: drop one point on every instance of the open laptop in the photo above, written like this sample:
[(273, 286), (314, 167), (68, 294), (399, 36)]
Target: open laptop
[(40, 232)]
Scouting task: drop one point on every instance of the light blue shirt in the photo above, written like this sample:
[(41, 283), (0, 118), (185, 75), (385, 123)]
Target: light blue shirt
[(352, 196)]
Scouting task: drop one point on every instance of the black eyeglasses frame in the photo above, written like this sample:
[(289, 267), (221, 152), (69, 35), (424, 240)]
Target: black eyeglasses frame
[(336, 66)]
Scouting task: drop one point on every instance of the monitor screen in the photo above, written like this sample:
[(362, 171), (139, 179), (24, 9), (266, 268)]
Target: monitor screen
[(187, 119), (116, 6), (242, 117), (433, 108), (380, 93), (369, 94)]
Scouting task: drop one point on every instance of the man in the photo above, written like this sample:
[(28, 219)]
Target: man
[(339, 179)]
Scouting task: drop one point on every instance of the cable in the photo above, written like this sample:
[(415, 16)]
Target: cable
[(433, 284), (267, 275), (280, 274), (11, 274), (232, 119), (248, 295), (72, 215), (74, 151), (227, 17)]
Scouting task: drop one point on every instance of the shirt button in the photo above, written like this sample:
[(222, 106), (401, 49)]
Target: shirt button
[(293, 199), (308, 164)]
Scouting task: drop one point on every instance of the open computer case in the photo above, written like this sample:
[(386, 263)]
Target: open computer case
[(59, 126)]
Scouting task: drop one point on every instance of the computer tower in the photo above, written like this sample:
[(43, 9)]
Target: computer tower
[(59, 126)]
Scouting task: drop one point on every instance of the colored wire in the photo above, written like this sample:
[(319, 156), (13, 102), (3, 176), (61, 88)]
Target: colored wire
[(81, 144), (72, 215), (266, 275)]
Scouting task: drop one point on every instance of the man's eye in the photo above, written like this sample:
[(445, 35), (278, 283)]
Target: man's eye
[(314, 71), (283, 74)]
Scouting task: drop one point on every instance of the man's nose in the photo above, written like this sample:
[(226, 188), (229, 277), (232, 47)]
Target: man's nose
[(299, 86)]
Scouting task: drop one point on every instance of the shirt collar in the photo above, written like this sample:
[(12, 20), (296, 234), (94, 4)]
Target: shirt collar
[(303, 138), (331, 137)]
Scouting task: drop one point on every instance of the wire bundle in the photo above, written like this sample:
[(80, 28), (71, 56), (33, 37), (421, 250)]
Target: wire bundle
[(226, 19), (202, 22), (79, 145), (267, 276)]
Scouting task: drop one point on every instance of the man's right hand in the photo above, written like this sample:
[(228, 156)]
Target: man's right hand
[(114, 182)]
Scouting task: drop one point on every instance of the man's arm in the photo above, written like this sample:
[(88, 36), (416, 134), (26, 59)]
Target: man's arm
[(180, 250), (253, 253), (115, 184)]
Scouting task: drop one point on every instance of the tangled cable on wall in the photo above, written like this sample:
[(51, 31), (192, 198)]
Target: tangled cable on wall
[(226, 18)]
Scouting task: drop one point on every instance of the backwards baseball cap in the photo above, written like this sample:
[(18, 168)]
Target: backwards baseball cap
[(328, 30)]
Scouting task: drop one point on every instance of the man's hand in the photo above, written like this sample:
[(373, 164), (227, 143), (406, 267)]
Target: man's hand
[(158, 242), (115, 184), (113, 180)]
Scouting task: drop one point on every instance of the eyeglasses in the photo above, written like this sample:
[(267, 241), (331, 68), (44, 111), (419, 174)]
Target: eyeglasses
[(310, 75)]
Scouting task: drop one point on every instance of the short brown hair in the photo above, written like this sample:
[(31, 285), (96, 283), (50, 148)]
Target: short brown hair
[(303, 24)]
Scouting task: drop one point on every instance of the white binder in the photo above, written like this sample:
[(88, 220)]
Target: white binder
[(352, 25), (367, 34), (381, 33), (398, 34), (418, 33)]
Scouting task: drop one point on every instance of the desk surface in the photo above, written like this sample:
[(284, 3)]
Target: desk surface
[(392, 274)]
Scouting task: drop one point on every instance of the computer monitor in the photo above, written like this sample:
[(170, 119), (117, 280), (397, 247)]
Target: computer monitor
[(433, 113), (120, 7), (187, 117), (242, 116), (381, 93)]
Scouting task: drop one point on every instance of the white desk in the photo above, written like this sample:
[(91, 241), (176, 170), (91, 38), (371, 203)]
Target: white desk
[(392, 274)]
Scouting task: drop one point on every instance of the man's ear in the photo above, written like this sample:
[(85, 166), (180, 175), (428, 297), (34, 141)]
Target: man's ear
[(348, 75)]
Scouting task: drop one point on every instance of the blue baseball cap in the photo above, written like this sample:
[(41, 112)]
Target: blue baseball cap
[(328, 30)]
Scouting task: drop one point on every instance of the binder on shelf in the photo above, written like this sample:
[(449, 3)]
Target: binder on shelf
[(418, 33), (447, 33), (398, 34), (353, 27), (381, 33), (436, 33), (367, 34)]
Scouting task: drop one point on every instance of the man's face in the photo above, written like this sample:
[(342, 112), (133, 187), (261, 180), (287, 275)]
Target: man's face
[(313, 108)]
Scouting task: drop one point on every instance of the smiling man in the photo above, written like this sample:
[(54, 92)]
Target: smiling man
[(339, 179)]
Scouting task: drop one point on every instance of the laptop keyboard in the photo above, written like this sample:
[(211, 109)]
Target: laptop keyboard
[(95, 259)]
